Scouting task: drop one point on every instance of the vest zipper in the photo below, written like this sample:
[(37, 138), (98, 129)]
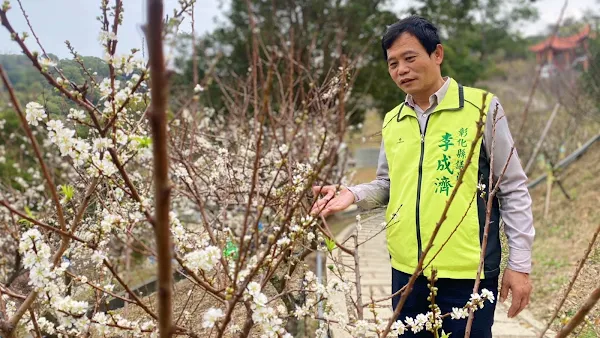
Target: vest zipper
[(418, 223)]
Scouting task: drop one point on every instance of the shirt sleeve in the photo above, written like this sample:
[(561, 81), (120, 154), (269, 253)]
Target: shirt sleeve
[(377, 192), (513, 195)]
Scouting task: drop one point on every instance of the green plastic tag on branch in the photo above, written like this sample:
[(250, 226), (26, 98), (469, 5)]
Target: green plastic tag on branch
[(231, 250)]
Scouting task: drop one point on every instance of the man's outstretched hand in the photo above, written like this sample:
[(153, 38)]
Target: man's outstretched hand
[(331, 203), (520, 286)]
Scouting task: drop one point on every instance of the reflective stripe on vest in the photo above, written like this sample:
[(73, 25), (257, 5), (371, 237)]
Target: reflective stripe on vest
[(423, 170)]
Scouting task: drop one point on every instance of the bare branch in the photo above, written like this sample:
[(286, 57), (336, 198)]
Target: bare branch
[(162, 186), (580, 315)]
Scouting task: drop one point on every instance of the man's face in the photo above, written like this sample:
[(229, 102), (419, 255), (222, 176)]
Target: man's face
[(411, 68)]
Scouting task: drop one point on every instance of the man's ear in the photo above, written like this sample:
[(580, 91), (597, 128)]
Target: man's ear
[(438, 54)]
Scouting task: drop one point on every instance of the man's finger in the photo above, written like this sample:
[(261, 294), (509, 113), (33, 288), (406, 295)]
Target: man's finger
[(515, 306), (320, 205), (317, 190), (524, 302), (504, 290)]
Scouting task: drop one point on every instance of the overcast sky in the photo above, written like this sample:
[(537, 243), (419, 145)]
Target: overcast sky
[(58, 20)]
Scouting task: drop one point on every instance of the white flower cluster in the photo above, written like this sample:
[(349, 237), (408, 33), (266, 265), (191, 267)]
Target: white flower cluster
[(36, 258), (430, 321), (67, 143), (45, 278), (211, 317), (205, 259), (267, 317), (362, 327), (105, 36), (476, 302), (102, 324), (46, 63), (76, 114), (105, 87), (34, 113)]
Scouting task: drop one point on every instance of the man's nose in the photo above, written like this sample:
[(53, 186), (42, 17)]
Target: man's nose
[(402, 69)]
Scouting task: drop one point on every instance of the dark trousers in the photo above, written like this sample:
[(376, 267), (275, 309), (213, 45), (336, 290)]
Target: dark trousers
[(451, 293)]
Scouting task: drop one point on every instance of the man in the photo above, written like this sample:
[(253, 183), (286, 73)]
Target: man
[(426, 141)]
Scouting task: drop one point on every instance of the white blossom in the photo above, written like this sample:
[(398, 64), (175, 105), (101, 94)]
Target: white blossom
[(459, 313), (398, 328), (487, 294), (105, 36), (253, 288), (211, 317), (101, 144), (47, 62), (205, 259), (198, 88), (284, 149), (34, 112)]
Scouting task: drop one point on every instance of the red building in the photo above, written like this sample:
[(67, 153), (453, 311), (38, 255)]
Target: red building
[(562, 52)]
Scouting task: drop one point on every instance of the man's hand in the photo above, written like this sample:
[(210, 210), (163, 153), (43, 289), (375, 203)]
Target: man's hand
[(520, 286), (331, 203)]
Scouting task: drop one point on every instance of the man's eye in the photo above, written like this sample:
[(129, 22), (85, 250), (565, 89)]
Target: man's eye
[(410, 59), (393, 64)]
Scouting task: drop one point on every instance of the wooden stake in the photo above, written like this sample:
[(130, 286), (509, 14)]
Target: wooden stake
[(549, 184)]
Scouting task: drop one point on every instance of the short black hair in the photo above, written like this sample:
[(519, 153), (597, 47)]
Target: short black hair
[(417, 26)]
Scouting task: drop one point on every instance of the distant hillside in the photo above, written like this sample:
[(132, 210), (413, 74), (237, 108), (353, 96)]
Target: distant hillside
[(30, 85)]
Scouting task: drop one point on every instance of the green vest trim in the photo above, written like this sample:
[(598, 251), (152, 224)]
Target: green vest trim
[(423, 170)]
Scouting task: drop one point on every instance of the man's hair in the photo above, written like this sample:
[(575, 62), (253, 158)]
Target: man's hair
[(419, 27)]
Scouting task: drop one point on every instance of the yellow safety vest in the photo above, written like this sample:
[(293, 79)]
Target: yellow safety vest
[(423, 170)]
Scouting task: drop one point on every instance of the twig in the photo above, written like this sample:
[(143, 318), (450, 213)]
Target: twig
[(488, 214), (542, 137), (103, 290), (6, 291), (580, 315), (589, 249), (158, 123), (432, 293), (40, 224), (129, 291), (359, 307)]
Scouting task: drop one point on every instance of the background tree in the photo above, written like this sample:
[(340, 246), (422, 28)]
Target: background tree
[(312, 27), (468, 27)]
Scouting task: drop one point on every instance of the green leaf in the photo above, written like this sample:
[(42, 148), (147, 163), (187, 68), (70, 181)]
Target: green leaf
[(68, 191), (330, 244), (445, 335), (23, 221), (28, 212), (143, 141)]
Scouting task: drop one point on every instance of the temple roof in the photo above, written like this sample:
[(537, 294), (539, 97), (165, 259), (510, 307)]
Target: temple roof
[(562, 43)]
